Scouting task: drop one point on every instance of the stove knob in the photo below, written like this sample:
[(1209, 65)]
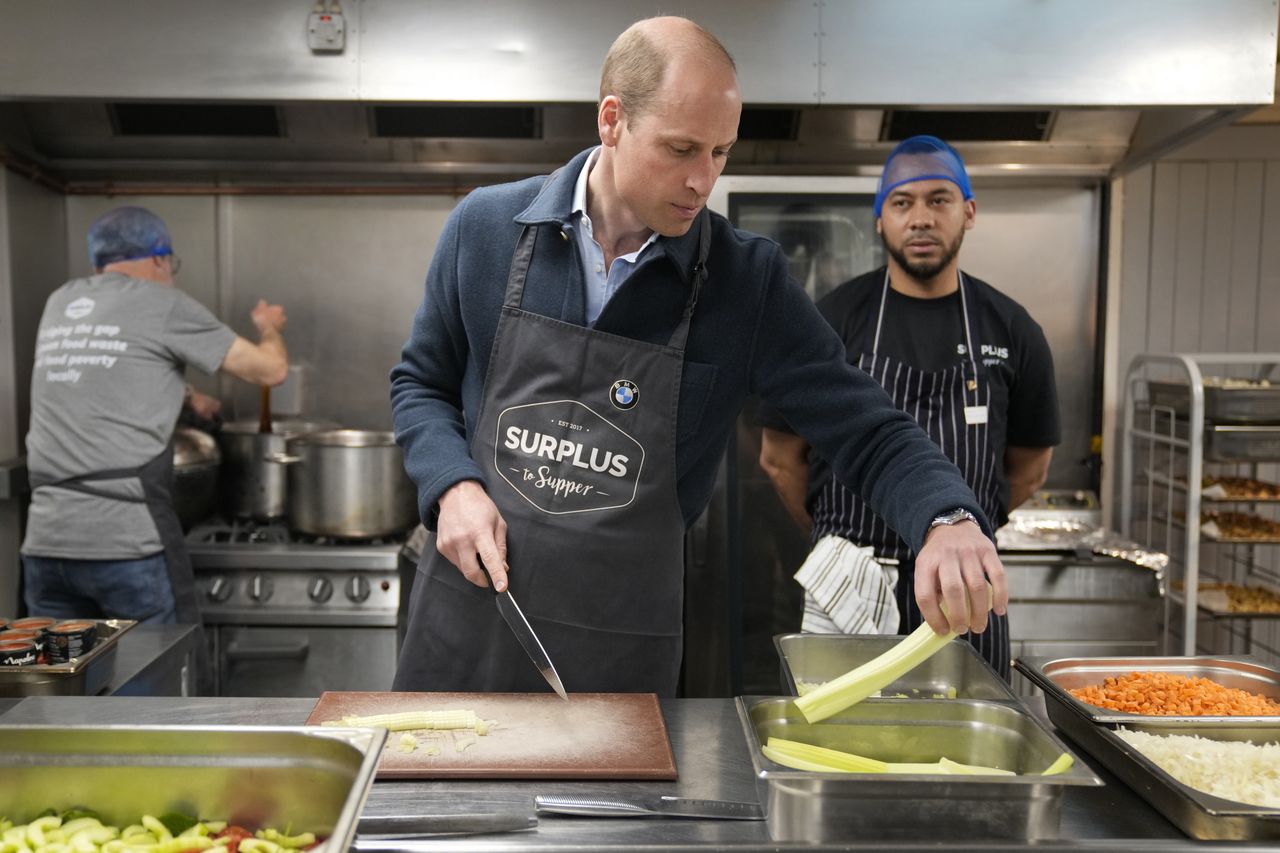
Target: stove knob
[(260, 589), (358, 589), (219, 591), (321, 590)]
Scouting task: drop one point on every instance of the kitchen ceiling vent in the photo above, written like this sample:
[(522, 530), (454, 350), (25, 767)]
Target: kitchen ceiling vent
[(962, 126), (176, 119), (458, 122), (768, 124)]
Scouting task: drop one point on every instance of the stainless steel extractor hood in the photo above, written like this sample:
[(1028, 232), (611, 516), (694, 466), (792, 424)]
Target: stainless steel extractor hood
[(230, 95)]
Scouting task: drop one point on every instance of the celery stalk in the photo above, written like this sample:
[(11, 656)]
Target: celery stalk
[(1061, 765), (860, 682), (805, 756)]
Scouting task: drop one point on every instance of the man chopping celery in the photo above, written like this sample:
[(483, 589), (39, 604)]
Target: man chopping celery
[(573, 376)]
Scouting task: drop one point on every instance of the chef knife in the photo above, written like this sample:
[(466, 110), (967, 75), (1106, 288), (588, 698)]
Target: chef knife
[(373, 829), (639, 806), (524, 633)]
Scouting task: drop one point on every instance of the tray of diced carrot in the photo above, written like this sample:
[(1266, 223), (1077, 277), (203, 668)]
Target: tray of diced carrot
[(1169, 689)]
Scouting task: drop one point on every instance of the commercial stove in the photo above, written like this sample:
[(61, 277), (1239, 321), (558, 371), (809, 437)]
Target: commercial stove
[(288, 614)]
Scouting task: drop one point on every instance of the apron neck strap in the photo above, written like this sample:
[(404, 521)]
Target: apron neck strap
[(964, 312), (523, 255), (681, 334)]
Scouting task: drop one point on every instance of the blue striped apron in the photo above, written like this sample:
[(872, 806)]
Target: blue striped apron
[(950, 405)]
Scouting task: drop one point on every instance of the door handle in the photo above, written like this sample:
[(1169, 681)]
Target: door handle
[(293, 651)]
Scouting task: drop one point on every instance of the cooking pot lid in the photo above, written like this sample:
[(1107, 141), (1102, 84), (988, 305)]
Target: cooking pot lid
[(347, 438), (194, 447)]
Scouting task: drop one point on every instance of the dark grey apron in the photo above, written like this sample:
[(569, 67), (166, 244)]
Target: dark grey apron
[(950, 405), (157, 490), (156, 477), (576, 437)]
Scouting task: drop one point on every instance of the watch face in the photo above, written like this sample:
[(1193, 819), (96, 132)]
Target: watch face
[(954, 517)]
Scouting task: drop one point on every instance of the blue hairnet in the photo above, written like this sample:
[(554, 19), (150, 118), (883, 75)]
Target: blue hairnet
[(125, 234), (921, 158)]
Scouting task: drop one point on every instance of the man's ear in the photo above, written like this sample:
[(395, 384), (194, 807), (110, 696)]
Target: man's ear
[(609, 120), (970, 213)]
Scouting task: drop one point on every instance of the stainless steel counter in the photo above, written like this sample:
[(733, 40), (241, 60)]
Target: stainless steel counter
[(712, 761)]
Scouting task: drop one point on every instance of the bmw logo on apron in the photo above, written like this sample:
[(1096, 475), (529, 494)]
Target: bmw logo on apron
[(624, 394)]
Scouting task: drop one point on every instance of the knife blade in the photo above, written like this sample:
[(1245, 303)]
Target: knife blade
[(529, 641), (372, 828), (638, 806)]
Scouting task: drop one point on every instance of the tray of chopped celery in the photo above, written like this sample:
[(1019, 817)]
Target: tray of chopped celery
[(976, 768)]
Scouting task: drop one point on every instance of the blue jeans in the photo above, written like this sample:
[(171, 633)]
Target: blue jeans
[(99, 589)]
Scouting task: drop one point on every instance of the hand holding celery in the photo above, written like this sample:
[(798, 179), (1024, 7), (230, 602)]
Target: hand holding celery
[(860, 682)]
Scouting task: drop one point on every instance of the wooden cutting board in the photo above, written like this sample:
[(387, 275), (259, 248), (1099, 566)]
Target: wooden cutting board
[(531, 736)]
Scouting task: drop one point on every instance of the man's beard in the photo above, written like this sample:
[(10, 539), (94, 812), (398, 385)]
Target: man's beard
[(923, 271)]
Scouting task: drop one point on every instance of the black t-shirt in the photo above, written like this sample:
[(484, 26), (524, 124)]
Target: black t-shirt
[(929, 334)]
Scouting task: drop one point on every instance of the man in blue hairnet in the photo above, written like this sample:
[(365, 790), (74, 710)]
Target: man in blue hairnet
[(964, 360), (103, 539)]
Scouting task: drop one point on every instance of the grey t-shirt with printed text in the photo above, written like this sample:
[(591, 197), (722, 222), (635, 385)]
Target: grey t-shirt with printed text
[(106, 392)]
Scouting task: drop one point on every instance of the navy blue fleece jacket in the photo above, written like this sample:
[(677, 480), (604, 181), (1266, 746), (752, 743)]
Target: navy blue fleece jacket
[(754, 331)]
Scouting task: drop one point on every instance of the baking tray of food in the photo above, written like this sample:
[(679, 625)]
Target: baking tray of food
[(827, 806), (1241, 527), (83, 675), (1238, 490), (956, 671), (1234, 401), (291, 779), (1059, 677), (1232, 600)]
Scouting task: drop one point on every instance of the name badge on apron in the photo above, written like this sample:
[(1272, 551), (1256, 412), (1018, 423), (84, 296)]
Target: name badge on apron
[(974, 415)]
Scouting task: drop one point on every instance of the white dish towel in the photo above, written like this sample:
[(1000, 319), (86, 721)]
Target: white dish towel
[(846, 590)]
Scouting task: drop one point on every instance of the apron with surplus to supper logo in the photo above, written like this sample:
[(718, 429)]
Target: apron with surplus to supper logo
[(577, 438)]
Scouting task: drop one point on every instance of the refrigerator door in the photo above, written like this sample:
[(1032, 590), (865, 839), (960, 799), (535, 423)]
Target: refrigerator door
[(742, 552)]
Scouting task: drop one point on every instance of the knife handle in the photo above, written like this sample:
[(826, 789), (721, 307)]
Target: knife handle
[(485, 569), (596, 807)]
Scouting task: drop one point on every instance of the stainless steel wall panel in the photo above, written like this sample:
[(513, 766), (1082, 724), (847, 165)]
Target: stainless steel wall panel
[(1164, 245), (350, 273), (1267, 337), (1190, 274), (1246, 238), (32, 265), (1014, 53), (552, 50), (231, 49), (1215, 302)]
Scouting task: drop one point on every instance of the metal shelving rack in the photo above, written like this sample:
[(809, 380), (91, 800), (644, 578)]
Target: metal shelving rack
[(1163, 437)]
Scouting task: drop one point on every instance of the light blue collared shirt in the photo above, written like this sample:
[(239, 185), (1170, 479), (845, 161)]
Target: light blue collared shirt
[(601, 283)]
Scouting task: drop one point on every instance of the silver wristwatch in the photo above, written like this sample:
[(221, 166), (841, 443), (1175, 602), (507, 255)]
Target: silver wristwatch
[(955, 516)]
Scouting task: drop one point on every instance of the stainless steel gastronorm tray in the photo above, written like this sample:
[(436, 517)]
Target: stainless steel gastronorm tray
[(1245, 404), (82, 676), (292, 779), (1196, 813), (815, 658), (1058, 676), (814, 807)]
